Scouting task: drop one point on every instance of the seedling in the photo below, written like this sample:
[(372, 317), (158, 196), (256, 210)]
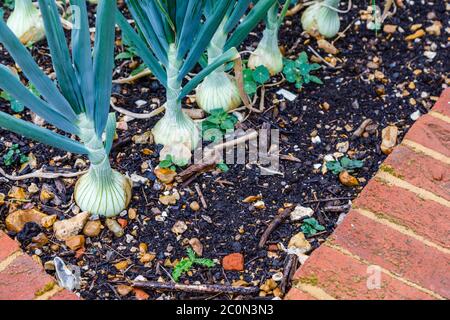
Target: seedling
[(186, 264), (130, 53), (16, 105), (298, 71), (311, 227), (222, 166), (253, 78), (9, 4), (13, 155), (127, 54), (217, 124), (170, 163), (344, 164)]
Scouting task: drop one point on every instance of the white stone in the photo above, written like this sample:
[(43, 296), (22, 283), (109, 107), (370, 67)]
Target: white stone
[(430, 54), (316, 140), (140, 103), (138, 180), (287, 94), (140, 278), (301, 212), (416, 115)]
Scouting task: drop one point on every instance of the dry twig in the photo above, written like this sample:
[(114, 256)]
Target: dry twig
[(289, 270), (138, 115), (132, 79), (200, 195), (201, 288), (279, 219), (42, 175), (327, 200)]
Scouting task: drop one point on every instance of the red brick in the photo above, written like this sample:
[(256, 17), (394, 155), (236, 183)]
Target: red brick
[(297, 294), (65, 295), (22, 279), (432, 133), (421, 171), (401, 254), (7, 246), (426, 218), (443, 104), (344, 277)]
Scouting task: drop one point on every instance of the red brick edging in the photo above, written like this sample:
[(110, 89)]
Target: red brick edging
[(22, 278), (395, 243)]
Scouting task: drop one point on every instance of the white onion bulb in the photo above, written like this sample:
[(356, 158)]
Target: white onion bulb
[(322, 19), (26, 22), (268, 53), (176, 128), (218, 91)]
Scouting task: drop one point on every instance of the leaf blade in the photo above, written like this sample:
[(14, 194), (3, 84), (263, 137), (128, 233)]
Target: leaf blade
[(255, 16), (110, 132), (205, 34), (43, 135), (19, 92), (82, 56), (142, 48), (103, 61), (32, 71), (61, 59)]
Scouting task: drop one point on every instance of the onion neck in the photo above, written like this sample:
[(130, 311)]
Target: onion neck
[(332, 3), (215, 48), (269, 40), (25, 7), (272, 21), (270, 33), (100, 167), (173, 107)]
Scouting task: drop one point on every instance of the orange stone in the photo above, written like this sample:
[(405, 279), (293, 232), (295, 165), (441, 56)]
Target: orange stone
[(233, 262), (75, 242), (141, 294), (123, 223), (16, 220)]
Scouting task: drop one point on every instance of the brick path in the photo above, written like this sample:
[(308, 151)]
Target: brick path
[(395, 243)]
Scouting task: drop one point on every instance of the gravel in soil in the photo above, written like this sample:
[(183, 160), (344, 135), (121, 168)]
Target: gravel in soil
[(380, 77)]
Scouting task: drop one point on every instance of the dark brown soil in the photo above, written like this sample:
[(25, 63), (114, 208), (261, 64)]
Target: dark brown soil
[(235, 226)]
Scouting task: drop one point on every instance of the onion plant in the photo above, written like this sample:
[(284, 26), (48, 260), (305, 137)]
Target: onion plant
[(322, 17), (26, 22), (219, 90), (173, 35), (78, 104), (268, 52)]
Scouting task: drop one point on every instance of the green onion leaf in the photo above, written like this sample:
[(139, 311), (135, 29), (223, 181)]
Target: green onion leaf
[(32, 71), (56, 39), (19, 92), (103, 61), (82, 57), (43, 135), (142, 49), (110, 132)]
